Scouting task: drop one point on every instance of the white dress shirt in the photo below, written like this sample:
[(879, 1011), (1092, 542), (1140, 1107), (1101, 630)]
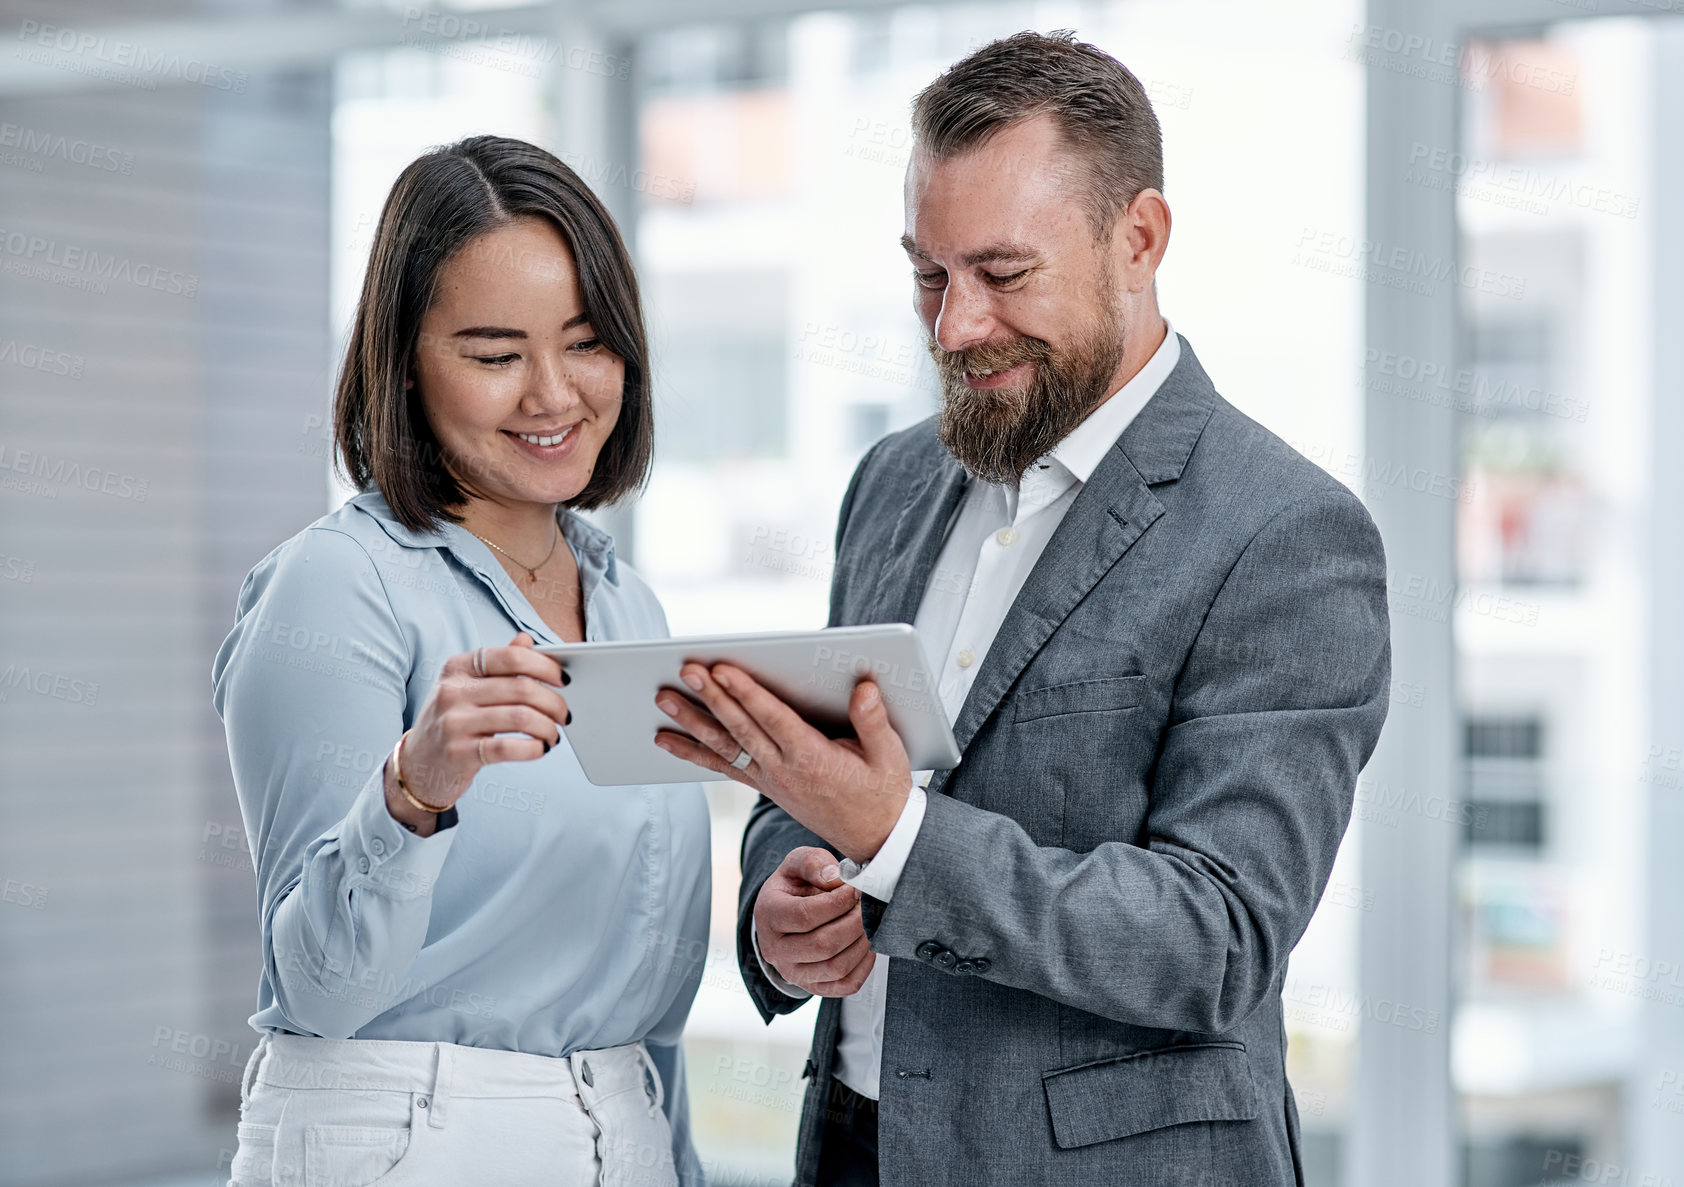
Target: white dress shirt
[(996, 538)]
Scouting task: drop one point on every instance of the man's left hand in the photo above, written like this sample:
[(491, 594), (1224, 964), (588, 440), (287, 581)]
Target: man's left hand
[(850, 791)]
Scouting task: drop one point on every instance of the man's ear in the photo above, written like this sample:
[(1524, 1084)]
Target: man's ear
[(1139, 239)]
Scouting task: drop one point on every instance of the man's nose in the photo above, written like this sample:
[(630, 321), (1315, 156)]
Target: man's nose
[(965, 318)]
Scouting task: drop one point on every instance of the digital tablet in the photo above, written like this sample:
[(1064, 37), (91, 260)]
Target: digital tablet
[(612, 686)]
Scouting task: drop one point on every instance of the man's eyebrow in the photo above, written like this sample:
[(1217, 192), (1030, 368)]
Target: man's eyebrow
[(991, 254), (578, 319), (996, 252)]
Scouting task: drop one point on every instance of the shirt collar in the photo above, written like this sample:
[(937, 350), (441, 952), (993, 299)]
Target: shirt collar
[(1075, 457), (1082, 448), (592, 547)]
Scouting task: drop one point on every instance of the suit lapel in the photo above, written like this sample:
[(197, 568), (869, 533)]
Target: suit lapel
[(919, 532), (1112, 511)]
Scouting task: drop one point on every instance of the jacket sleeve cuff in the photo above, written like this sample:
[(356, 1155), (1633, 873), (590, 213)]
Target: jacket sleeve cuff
[(392, 860)]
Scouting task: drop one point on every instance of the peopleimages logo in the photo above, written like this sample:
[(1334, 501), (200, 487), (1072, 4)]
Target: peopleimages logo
[(39, 256), (41, 143), (60, 471), (145, 66)]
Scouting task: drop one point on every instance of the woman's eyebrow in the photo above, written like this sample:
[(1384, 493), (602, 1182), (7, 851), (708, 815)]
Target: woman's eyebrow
[(489, 332), (578, 319)]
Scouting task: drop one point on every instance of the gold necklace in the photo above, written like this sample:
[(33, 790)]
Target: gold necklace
[(531, 570)]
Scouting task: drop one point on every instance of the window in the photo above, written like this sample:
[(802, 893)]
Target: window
[(1505, 773)]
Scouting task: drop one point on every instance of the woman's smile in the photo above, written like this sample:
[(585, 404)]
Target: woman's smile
[(546, 447)]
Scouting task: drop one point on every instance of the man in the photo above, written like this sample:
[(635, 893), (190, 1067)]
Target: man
[(1162, 635)]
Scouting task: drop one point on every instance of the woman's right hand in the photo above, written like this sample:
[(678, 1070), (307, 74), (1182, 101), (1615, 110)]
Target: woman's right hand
[(453, 735)]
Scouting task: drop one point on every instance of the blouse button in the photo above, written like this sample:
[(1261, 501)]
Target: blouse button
[(362, 864), (376, 846), (1006, 537)]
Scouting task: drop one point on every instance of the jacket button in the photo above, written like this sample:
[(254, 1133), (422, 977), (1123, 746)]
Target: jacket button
[(964, 966), (928, 949), (944, 959), (980, 964)]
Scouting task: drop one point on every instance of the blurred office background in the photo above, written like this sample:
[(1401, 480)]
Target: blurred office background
[(1436, 246)]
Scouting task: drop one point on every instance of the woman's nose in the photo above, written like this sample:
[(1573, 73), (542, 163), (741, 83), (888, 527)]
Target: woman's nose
[(551, 386)]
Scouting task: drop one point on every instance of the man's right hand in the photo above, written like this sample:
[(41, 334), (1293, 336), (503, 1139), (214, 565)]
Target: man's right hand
[(807, 921)]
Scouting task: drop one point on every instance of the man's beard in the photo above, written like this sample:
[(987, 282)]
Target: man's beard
[(997, 433)]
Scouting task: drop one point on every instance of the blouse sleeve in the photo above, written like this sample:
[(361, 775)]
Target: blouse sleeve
[(311, 688)]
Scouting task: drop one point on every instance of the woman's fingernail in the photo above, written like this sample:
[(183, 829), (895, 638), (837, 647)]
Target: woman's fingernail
[(569, 720), (693, 680)]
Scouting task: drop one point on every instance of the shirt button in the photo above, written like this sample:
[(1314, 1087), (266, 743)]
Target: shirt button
[(376, 846), (1006, 537), (965, 658)]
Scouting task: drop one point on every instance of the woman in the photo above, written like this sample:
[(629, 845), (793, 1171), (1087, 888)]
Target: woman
[(475, 962)]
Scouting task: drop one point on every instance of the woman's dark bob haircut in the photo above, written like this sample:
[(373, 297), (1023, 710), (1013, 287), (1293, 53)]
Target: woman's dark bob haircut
[(440, 203)]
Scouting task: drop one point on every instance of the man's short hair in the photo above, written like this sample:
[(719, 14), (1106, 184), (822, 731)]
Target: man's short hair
[(1101, 110)]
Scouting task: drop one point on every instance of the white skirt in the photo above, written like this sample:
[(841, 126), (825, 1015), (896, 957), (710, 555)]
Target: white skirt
[(359, 1112)]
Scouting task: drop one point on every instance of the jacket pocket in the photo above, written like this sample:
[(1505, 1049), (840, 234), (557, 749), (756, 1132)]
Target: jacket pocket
[(1079, 696), (1097, 1102)]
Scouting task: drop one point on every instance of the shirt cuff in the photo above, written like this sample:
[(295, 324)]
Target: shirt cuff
[(778, 983), (390, 858), (879, 876)]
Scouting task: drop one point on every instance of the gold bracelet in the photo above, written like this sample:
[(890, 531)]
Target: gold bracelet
[(397, 773)]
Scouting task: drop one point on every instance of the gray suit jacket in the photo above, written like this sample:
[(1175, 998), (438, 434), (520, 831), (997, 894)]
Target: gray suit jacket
[(1161, 750)]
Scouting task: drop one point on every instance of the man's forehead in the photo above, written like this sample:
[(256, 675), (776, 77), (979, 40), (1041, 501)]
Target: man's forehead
[(1000, 192), (966, 228), (1031, 150), (995, 251)]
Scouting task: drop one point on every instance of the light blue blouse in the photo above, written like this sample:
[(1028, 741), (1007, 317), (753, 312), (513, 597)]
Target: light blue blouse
[(554, 916)]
